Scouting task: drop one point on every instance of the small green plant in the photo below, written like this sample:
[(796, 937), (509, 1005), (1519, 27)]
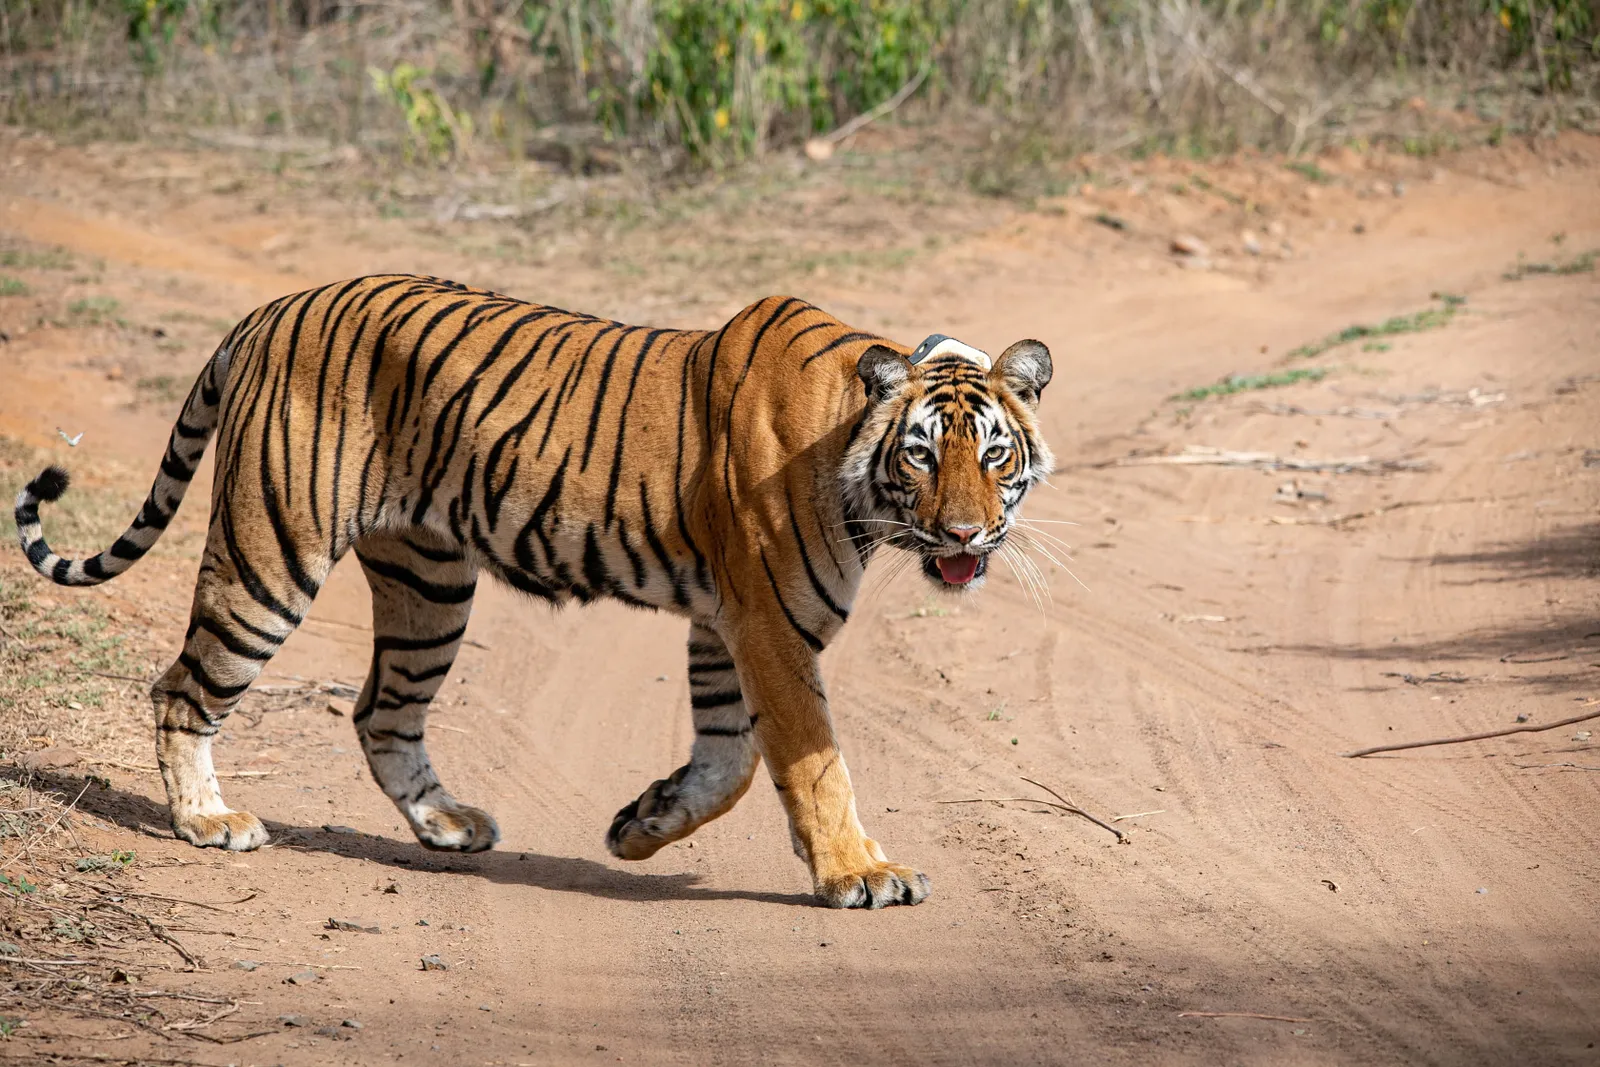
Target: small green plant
[(94, 311), (1240, 383), (10, 286), (116, 860), (1427, 319), (1310, 171), (438, 131), (995, 713), (17, 886), (36, 259), (69, 929), (164, 388), (1580, 264), (9, 1026)]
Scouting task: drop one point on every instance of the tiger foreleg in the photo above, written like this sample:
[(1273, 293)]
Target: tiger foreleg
[(720, 767), (794, 734), (421, 599)]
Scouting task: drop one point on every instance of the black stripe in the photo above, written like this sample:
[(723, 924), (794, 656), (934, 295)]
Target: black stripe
[(203, 678), (805, 557), (702, 701), (416, 644), (430, 591), (722, 731), (622, 427), (837, 342), (229, 641), (600, 396), (420, 676), (810, 638)]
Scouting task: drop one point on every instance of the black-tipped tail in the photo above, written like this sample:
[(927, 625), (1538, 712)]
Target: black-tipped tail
[(185, 446), (50, 484)]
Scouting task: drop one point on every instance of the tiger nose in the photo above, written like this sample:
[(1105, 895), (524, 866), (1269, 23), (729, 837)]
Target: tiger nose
[(963, 534)]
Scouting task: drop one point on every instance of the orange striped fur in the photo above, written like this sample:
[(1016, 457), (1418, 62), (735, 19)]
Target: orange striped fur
[(741, 477)]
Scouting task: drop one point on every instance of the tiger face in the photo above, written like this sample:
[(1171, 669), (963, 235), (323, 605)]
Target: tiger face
[(947, 450)]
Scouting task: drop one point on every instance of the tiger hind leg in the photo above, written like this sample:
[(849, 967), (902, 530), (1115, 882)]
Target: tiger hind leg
[(720, 766), (236, 625), (422, 588)]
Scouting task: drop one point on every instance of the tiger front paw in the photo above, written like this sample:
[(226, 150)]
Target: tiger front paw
[(879, 886)]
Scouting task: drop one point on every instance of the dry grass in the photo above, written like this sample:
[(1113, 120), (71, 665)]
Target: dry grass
[(78, 939)]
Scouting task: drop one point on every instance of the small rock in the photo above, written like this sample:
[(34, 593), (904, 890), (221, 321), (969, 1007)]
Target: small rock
[(337, 1033), (1399, 188), (392, 887), (1582, 735), (422, 922), (1250, 242), (661, 678), (1276, 228), (1359, 227), (245, 965), (351, 1024), (303, 978), (1483, 891), (433, 962), (294, 1020), (340, 708), (1523, 716), (113, 374), (353, 926), (48, 759), (484, 1007), (340, 829), (122, 977), (1188, 245), (818, 150)]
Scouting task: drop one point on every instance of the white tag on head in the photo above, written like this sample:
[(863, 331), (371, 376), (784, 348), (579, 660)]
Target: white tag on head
[(937, 344)]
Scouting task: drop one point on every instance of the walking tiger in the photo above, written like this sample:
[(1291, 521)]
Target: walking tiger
[(741, 477)]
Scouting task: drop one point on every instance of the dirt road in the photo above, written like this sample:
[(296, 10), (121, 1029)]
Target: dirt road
[(1225, 632)]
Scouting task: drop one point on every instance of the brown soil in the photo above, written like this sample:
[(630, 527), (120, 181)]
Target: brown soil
[(1222, 644)]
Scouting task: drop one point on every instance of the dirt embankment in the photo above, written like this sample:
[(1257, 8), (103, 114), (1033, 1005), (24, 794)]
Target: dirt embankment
[(1389, 534)]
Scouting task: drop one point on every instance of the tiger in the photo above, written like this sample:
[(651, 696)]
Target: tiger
[(741, 477)]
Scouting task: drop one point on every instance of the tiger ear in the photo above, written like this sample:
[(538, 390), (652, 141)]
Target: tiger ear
[(883, 371), (1025, 369)]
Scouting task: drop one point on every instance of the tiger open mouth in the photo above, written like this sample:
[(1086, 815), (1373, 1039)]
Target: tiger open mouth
[(957, 570)]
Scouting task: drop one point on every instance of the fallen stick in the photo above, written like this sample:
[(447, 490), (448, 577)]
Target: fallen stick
[(901, 96), (1240, 1015), (120, 765), (1339, 520), (1067, 805), (108, 674), (1527, 728), (1570, 765), (1203, 456), (1139, 814)]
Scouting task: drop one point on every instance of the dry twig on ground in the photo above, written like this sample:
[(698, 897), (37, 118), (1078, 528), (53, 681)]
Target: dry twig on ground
[(1205, 456), (1060, 802), (1526, 728)]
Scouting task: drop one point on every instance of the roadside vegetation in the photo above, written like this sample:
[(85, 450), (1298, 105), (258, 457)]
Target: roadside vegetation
[(600, 85)]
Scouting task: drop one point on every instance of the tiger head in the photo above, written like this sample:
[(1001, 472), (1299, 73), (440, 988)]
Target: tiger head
[(947, 448)]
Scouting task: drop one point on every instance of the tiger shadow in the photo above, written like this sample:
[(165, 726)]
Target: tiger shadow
[(565, 874)]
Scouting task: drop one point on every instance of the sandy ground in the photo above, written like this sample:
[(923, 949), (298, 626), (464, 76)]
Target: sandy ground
[(1228, 633)]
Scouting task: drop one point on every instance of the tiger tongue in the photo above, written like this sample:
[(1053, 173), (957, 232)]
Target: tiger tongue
[(957, 570)]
